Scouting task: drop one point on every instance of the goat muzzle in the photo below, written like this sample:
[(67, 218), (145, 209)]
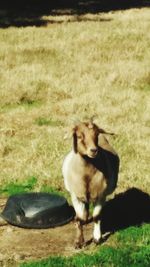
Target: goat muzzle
[(92, 153)]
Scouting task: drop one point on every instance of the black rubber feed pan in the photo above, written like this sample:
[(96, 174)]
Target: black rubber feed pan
[(37, 210)]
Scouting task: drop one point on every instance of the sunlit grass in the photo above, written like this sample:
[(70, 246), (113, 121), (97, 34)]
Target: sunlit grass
[(53, 75)]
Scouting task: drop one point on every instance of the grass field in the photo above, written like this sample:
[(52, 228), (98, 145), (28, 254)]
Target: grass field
[(72, 68)]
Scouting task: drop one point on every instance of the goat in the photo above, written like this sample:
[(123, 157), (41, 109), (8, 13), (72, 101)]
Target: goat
[(90, 173)]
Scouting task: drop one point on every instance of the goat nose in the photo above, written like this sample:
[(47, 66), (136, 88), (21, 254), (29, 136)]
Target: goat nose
[(94, 150)]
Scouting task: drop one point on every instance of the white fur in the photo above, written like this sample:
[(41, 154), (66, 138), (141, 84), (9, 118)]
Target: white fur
[(97, 210), (97, 231), (79, 207), (66, 167)]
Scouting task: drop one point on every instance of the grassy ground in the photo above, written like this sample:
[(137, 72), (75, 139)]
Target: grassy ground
[(73, 68), (128, 251)]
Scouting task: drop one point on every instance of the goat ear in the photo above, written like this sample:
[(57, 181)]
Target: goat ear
[(75, 142), (104, 132)]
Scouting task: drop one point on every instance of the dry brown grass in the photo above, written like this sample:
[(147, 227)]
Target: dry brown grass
[(50, 76)]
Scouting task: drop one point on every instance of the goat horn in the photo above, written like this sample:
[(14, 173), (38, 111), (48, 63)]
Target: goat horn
[(93, 118), (75, 121), (104, 132)]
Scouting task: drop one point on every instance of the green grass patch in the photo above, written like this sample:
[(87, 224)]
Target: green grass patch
[(26, 104), (13, 188), (139, 236), (49, 122), (24, 101), (145, 87)]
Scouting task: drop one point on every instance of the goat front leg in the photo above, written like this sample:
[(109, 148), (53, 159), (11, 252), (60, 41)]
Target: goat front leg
[(81, 210), (79, 243), (97, 235)]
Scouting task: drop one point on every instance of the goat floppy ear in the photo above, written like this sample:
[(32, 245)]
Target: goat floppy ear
[(104, 132), (74, 141)]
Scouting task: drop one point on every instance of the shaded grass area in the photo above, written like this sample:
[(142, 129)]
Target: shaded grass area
[(29, 13), (128, 251)]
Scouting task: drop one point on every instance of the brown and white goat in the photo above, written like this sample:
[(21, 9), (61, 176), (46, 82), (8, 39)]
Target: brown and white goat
[(90, 173)]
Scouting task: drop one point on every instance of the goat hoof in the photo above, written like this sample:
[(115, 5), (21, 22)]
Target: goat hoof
[(96, 241), (78, 245)]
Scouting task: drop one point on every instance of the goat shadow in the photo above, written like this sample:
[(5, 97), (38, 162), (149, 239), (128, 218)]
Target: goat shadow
[(130, 208)]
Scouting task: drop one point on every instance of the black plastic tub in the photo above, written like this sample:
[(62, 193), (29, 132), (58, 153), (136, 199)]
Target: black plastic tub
[(37, 210)]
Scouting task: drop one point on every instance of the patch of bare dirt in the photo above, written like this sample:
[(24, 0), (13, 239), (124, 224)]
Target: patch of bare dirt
[(18, 244)]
